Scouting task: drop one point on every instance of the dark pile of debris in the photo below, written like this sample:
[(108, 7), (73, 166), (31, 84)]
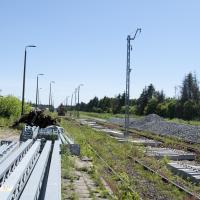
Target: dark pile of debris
[(37, 118)]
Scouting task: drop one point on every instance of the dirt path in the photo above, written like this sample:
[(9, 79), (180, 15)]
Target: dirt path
[(81, 185), (9, 134)]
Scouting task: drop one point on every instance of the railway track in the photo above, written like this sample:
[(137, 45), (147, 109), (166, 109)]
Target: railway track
[(182, 145), (165, 179), (137, 161)]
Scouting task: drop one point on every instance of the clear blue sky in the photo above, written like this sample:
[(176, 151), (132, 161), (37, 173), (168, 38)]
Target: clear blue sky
[(85, 42)]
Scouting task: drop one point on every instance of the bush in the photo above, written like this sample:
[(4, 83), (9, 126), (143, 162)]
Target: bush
[(190, 110), (10, 106), (151, 106), (161, 109)]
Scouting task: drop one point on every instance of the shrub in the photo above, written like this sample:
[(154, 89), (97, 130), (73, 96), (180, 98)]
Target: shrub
[(10, 106)]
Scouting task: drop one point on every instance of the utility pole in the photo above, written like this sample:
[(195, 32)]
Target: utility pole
[(79, 99), (128, 71)]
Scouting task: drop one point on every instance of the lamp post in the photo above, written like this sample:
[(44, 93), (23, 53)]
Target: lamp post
[(78, 99), (71, 103), (75, 99), (24, 77), (37, 91), (128, 71), (50, 95), (39, 101), (67, 97)]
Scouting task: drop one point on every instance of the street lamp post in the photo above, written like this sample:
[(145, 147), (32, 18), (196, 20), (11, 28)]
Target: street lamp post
[(78, 99), (39, 101), (128, 71), (71, 104), (75, 99), (24, 78), (67, 97), (37, 91), (50, 95)]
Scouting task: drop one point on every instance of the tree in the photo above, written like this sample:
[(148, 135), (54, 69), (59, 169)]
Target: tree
[(171, 108), (190, 110), (142, 102), (160, 96), (151, 106), (161, 109), (148, 93), (105, 104), (92, 104), (190, 89)]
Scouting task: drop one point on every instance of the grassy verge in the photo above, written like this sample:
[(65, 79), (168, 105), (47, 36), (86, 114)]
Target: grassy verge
[(6, 122), (103, 115), (129, 177)]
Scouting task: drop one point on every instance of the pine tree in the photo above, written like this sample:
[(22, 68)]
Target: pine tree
[(190, 88)]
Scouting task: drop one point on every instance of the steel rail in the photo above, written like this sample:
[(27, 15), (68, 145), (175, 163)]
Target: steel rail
[(34, 184), (3, 148), (111, 169), (162, 139), (10, 148), (62, 138), (53, 189), (14, 184), (13, 160), (181, 188), (165, 179)]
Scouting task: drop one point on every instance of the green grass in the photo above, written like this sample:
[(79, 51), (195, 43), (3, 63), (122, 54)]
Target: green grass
[(6, 122), (116, 156), (103, 115)]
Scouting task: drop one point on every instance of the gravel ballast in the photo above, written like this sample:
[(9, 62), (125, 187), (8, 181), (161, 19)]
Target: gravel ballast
[(156, 124)]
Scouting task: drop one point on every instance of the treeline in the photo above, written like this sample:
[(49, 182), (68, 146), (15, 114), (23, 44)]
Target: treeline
[(185, 106)]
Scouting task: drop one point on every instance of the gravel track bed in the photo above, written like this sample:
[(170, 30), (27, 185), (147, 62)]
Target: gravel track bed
[(158, 125)]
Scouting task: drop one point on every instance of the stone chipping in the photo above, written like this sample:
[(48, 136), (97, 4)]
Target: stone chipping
[(158, 125)]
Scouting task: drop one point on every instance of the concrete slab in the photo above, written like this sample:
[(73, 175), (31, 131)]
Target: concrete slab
[(146, 142), (112, 132), (172, 154), (186, 170)]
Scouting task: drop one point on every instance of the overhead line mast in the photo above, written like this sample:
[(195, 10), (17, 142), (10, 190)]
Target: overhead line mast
[(128, 71)]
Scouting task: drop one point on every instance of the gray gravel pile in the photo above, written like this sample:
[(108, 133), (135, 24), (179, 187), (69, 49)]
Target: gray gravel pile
[(158, 125)]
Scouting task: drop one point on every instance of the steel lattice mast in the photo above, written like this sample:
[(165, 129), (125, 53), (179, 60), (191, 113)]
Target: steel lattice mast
[(128, 71)]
